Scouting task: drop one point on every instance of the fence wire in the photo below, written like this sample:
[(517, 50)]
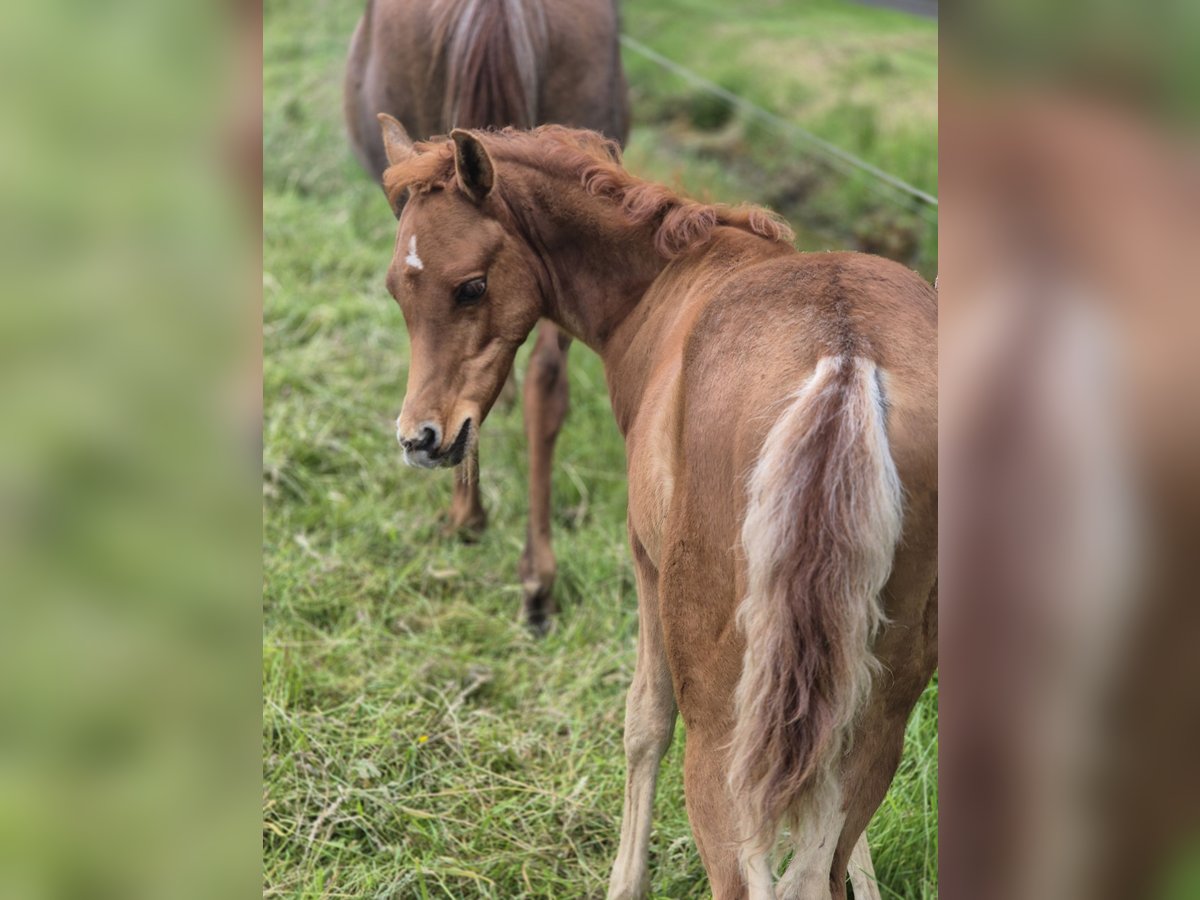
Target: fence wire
[(889, 186)]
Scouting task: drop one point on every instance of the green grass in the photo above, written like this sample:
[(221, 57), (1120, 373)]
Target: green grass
[(862, 78), (417, 743)]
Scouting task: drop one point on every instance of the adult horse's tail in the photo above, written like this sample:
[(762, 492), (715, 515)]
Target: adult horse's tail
[(822, 524), (492, 51)]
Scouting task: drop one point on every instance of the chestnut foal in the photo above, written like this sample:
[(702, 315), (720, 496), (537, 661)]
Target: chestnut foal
[(779, 413), (438, 64)]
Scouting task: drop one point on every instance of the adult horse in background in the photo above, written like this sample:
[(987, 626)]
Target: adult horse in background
[(440, 64), (779, 411)]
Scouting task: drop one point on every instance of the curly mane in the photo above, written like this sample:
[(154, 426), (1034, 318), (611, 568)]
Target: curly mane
[(595, 162)]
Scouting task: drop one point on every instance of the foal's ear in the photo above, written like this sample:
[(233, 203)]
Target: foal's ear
[(472, 165), (396, 143)]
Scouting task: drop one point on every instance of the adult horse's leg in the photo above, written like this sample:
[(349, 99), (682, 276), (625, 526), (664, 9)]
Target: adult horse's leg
[(545, 409), (467, 516), (649, 724)]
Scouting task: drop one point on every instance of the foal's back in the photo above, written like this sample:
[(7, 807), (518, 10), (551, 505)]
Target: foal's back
[(742, 325), (769, 372), (439, 64), (786, 314), (742, 322), (757, 333)]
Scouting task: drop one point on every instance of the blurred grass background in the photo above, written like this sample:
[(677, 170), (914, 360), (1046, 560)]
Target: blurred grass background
[(417, 743), (128, 513)]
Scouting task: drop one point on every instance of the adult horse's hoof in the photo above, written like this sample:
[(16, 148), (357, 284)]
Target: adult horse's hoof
[(538, 607), (467, 528), (538, 611), (537, 590)]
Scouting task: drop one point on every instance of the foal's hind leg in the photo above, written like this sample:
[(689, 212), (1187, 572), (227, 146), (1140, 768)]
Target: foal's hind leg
[(908, 653), (862, 871), (649, 724), (705, 651), (545, 409), (808, 875), (735, 871), (815, 843), (867, 774)]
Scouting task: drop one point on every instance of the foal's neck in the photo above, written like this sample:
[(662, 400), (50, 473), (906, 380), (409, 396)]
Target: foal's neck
[(597, 266)]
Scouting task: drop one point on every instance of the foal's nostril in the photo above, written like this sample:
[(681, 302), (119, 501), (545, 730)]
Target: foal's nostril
[(427, 441)]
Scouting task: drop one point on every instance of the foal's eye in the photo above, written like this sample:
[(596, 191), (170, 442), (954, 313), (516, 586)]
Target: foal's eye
[(470, 291)]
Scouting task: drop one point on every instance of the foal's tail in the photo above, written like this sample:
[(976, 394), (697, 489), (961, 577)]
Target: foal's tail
[(493, 52), (822, 524)]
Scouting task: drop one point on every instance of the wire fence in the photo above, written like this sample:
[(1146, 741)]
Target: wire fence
[(886, 185)]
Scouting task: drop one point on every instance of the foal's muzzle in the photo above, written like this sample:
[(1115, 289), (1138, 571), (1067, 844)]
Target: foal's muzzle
[(424, 449)]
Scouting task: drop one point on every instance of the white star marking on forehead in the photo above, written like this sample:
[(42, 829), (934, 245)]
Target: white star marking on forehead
[(412, 260)]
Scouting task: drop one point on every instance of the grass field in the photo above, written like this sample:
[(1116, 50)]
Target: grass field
[(417, 742)]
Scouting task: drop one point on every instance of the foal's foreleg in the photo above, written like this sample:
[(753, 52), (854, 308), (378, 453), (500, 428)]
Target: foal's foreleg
[(649, 724), (545, 409)]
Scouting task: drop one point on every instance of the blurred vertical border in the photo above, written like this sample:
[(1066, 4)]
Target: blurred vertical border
[(130, 170), (130, 532), (1070, 432)]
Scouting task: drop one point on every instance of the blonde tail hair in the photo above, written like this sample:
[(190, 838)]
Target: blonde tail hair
[(822, 523)]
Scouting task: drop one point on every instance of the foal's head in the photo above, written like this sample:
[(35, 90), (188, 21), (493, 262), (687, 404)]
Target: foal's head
[(466, 287)]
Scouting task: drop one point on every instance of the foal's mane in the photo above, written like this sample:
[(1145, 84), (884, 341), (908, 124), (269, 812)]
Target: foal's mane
[(594, 162)]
